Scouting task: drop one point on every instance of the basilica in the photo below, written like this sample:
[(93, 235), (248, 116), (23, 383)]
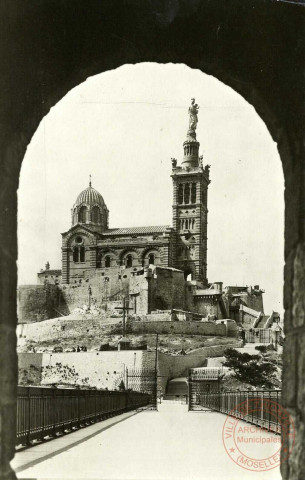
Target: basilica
[(156, 268), (90, 245)]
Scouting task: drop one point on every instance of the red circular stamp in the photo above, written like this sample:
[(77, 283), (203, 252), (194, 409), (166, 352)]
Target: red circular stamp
[(256, 445)]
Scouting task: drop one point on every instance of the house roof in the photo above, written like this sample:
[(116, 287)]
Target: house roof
[(137, 230), (90, 197), (50, 272)]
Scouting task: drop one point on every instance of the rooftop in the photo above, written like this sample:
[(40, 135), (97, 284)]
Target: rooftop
[(50, 272), (137, 230)]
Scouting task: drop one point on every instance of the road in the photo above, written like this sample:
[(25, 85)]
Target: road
[(170, 444)]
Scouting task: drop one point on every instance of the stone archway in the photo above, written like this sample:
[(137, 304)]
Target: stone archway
[(256, 47)]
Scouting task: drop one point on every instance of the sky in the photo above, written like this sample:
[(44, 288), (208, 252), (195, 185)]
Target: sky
[(123, 127)]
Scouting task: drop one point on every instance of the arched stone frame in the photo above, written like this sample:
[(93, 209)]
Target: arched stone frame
[(70, 237), (96, 208), (83, 212), (112, 253), (151, 249), (249, 66), (135, 256), (68, 244)]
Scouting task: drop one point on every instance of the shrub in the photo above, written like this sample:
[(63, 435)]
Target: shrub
[(261, 348), (250, 368)]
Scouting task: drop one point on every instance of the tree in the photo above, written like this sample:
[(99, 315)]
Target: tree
[(252, 369)]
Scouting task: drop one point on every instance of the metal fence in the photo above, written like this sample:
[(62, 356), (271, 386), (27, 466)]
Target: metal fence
[(261, 408), (203, 381), (258, 335), (43, 412), (144, 381)]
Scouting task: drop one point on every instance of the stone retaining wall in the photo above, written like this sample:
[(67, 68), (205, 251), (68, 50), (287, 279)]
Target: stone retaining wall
[(186, 328)]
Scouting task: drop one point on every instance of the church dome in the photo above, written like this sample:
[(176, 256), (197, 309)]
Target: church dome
[(90, 209), (90, 197)]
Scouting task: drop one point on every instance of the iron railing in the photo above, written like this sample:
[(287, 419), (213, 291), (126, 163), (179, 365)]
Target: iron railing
[(206, 373), (144, 381), (258, 335), (43, 412), (262, 408)]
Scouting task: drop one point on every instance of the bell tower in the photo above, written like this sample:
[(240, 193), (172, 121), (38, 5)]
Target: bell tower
[(190, 196)]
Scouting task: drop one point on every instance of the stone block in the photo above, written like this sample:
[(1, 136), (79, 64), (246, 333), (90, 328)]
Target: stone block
[(299, 368), (289, 378), (298, 310)]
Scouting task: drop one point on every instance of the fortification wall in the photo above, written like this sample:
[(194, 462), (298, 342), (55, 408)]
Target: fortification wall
[(168, 289), (255, 302), (38, 302), (93, 369), (107, 369), (247, 320), (41, 302), (66, 328), (114, 282), (186, 328), (175, 366), (207, 306)]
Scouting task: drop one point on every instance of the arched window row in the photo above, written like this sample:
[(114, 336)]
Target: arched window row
[(128, 260), (106, 261), (187, 224), (78, 254), (94, 215), (187, 193)]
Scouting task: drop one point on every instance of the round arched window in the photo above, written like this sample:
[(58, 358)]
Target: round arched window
[(82, 215), (95, 215)]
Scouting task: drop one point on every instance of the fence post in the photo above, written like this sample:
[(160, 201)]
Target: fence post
[(189, 391), (42, 429), (78, 410), (127, 400), (28, 438), (54, 413)]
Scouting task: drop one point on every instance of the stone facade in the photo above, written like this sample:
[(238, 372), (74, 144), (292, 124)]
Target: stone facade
[(107, 369), (190, 185), (91, 246), (39, 302), (157, 267)]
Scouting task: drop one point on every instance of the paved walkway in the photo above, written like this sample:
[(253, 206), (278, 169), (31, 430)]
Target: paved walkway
[(170, 444)]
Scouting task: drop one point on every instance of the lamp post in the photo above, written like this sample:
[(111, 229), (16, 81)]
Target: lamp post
[(106, 280), (89, 297)]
